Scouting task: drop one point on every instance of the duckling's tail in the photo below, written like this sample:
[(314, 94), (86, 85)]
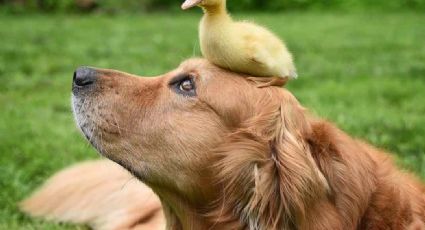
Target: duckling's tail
[(100, 194), (293, 74)]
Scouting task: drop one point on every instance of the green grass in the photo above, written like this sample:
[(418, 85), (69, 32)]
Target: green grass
[(366, 72)]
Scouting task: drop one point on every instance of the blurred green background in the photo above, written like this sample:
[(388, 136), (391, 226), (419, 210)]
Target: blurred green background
[(162, 5), (361, 65)]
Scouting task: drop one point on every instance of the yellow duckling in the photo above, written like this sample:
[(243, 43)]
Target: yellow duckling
[(240, 46)]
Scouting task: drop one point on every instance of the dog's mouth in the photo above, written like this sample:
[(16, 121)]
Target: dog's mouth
[(94, 122)]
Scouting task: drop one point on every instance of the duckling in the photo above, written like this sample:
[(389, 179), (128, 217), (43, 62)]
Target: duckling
[(240, 46)]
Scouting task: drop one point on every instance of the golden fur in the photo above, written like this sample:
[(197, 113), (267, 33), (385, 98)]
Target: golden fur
[(242, 154), (100, 194)]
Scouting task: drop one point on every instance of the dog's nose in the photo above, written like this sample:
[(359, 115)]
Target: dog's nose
[(84, 76)]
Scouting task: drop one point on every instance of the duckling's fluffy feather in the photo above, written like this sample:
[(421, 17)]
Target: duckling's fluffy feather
[(244, 46)]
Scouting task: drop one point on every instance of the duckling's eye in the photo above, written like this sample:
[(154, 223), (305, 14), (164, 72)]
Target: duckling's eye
[(184, 85)]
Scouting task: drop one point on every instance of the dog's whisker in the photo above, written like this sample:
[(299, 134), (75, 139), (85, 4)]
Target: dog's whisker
[(194, 50), (116, 124), (128, 181)]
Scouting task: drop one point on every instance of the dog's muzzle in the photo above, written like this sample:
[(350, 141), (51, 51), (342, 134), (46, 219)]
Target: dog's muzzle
[(83, 104)]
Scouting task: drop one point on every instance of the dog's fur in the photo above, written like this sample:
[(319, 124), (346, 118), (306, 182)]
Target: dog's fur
[(98, 193), (240, 154)]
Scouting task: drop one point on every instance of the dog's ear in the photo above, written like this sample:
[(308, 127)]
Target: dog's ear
[(266, 169)]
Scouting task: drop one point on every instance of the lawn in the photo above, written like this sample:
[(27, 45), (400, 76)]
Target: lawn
[(363, 71)]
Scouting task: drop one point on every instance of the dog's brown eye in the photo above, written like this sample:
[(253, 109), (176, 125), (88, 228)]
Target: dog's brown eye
[(183, 84), (186, 85)]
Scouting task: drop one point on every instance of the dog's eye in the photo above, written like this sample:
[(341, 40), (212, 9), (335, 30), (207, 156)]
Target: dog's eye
[(186, 85), (183, 84)]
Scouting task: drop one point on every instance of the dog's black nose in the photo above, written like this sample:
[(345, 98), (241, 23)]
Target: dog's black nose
[(84, 76)]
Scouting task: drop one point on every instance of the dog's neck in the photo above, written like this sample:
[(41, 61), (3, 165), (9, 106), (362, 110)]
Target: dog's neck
[(182, 213), (184, 218), (238, 203)]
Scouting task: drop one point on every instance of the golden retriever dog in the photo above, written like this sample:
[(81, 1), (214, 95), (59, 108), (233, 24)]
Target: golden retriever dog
[(221, 150)]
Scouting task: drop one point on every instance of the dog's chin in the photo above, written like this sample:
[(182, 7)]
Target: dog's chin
[(85, 123), (93, 123)]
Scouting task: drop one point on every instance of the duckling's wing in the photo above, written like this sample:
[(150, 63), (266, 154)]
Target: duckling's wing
[(260, 43), (276, 62), (257, 53), (259, 56), (265, 51)]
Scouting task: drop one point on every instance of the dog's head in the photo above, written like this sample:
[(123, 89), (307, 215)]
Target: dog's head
[(203, 133)]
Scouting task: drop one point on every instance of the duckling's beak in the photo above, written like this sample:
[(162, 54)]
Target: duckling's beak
[(190, 3)]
